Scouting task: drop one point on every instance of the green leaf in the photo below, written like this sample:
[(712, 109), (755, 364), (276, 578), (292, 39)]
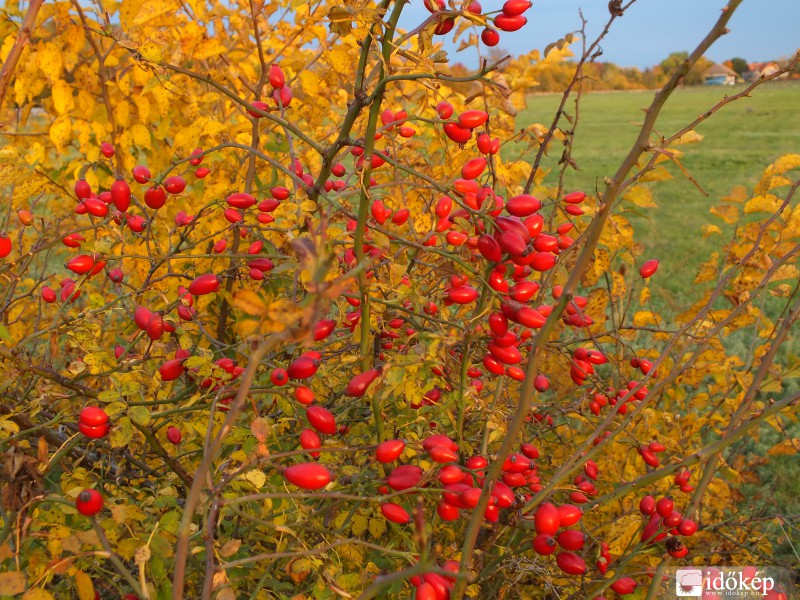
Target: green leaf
[(140, 415)]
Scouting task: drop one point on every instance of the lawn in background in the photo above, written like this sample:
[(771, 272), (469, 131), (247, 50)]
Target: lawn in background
[(739, 142)]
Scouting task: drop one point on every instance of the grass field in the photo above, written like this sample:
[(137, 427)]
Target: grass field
[(740, 141)]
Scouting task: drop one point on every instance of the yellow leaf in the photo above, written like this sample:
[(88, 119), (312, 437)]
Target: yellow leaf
[(151, 51), (377, 527), (359, 525), (140, 135), (37, 594), (786, 272), (640, 196), (709, 230), (644, 295), (645, 318), (62, 97), (708, 270), (738, 195), (785, 163), (249, 302), (84, 585), (690, 137), (12, 583), (768, 203), (60, 132), (726, 212), (785, 447), (617, 285), (134, 13), (657, 174), (341, 59), (142, 107), (122, 113), (208, 48), (256, 477), (99, 362), (309, 82), (48, 58)]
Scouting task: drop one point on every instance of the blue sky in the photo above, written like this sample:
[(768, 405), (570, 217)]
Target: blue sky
[(651, 29)]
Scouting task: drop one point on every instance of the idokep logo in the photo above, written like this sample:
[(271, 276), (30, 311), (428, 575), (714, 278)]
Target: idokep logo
[(689, 582), (744, 582)]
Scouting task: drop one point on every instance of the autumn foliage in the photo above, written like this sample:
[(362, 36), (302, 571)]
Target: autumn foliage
[(287, 311)]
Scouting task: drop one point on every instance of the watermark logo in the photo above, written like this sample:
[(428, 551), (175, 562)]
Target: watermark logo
[(714, 582), (689, 582)]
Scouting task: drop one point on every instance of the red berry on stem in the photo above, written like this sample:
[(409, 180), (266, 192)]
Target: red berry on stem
[(174, 435), (490, 37), (204, 284), (89, 502), (648, 268), (308, 476)]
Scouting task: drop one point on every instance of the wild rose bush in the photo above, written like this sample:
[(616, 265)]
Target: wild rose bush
[(289, 311)]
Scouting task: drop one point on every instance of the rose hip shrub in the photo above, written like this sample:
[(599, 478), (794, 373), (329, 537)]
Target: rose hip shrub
[(289, 311)]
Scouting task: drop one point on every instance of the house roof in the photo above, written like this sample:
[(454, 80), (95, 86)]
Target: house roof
[(760, 66), (718, 70)]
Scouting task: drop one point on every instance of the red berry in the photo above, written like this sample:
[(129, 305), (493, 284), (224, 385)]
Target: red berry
[(141, 174), (121, 195), (89, 502), (544, 544), (93, 416), (174, 184), (321, 419), (513, 8), (155, 197), (571, 563), (358, 385), (665, 506), (174, 435), (81, 264), (276, 77), (204, 284), (471, 119), (310, 440), (546, 519), (279, 377), (395, 513), (648, 268), (389, 450), (490, 37), (302, 368), (444, 109), (308, 476), (106, 149), (82, 189)]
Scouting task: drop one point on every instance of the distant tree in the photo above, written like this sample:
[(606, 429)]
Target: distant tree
[(739, 65), (694, 76), (673, 61)]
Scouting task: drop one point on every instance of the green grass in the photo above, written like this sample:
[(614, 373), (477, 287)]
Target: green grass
[(739, 142)]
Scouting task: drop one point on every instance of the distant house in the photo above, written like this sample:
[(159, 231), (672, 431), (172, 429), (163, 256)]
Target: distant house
[(718, 74), (757, 70)]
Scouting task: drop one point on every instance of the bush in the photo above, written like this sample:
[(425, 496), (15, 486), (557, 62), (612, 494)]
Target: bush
[(280, 320)]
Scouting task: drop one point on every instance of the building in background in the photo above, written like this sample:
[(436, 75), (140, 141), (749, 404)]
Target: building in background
[(718, 74)]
